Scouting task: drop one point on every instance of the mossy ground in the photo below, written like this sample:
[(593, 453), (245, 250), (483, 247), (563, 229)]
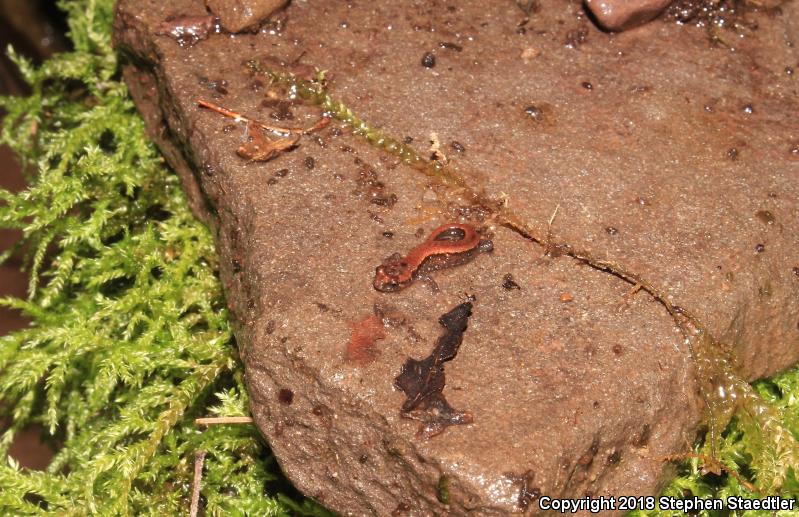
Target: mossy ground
[(130, 339)]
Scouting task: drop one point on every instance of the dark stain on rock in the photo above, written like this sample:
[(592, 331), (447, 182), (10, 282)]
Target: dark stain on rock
[(642, 439), (187, 30), (614, 457), (285, 396), (423, 381), (218, 87), (310, 163), (401, 509), (760, 248), (765, 217), (588, 456), (575, 38), (369, 186), (612, 230), (732, 153), (450, 46), (617, 349), (256, 85), (509, 283), (527, 492), (270, 326), (281, 109)]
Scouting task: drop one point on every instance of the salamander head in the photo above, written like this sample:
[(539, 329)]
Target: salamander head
[(392, 276)]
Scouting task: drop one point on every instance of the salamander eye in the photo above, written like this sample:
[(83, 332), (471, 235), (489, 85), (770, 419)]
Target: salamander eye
[(392, 271)]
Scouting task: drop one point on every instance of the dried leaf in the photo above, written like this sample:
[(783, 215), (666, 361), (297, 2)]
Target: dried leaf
[(423, 380), (262, 149)]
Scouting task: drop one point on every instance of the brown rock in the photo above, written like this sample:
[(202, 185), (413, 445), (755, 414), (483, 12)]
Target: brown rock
[(566, 398), (239, 15), (619, 15)]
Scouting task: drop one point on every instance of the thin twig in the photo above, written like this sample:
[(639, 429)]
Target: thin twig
[(238, 117), (548, 246), (199, 461), (216, 420)]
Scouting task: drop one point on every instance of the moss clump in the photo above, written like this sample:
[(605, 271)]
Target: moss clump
[(129, 339)]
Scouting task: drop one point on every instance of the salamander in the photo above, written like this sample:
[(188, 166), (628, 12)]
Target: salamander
[(448, 245)]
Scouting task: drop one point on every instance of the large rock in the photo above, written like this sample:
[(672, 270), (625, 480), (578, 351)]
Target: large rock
[(662, 152)]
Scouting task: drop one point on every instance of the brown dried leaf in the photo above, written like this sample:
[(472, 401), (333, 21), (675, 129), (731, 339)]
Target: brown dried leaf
[(262, 149), (423, 380)]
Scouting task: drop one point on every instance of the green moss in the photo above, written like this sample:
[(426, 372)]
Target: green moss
[(442, 490), (130, 339)]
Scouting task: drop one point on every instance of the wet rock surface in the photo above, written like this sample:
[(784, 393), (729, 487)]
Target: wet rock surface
[(659, 151)]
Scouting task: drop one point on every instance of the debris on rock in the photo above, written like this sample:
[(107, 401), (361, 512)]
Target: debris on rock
[(423, 380)]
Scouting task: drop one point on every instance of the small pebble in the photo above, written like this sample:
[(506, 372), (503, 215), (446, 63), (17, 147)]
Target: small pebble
[(429, 60), (534, 112)]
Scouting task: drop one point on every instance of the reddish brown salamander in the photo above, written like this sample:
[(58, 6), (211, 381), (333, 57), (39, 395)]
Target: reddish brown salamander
[(449, 245)]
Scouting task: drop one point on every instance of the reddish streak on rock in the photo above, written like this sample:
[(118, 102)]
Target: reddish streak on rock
[(365, 332)]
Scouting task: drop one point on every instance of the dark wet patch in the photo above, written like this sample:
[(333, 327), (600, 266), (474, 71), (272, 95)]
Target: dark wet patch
[(187, 30), (509, 283), (285, 396), (765, 217)]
